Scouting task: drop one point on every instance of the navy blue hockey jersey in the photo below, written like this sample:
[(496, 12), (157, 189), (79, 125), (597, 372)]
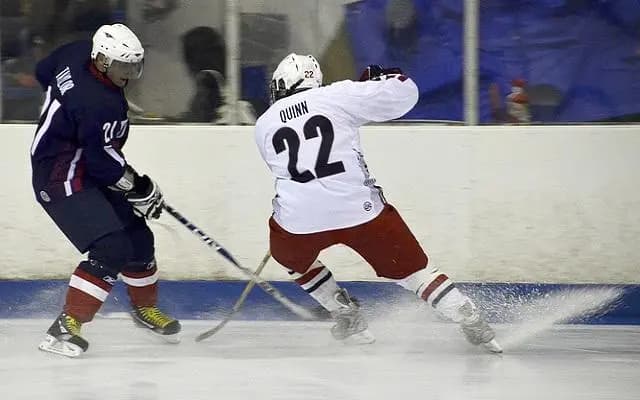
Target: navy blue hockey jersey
[(83, 125)]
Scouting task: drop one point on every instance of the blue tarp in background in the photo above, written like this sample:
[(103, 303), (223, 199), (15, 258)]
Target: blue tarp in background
[(587, 52)]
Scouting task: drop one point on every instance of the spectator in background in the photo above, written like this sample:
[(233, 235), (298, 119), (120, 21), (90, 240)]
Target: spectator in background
[(516, 107), (59, 21), (204, 53), (582, 51), (32, 28), (21, 94), (156, 10)]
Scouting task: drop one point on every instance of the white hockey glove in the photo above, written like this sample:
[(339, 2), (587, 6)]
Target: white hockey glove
[(143, 193)]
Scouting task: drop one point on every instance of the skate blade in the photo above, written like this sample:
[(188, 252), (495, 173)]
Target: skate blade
[(360, 338), (52, 345), (493, 346), (173, 338)]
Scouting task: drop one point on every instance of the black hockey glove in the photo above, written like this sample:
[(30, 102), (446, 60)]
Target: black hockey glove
[(143, 193), (374, 72), (146, 198)]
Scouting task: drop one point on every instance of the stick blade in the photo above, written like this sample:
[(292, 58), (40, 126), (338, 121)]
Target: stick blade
[(208, 333)]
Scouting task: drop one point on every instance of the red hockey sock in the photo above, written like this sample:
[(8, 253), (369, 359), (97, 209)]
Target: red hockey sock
[(142, 287), (85, 295)]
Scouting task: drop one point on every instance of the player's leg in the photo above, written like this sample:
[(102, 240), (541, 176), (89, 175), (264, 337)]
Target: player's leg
[(141, 277), (88, 221), (389, 246), (319, 282), (298, 253), (140, 273)]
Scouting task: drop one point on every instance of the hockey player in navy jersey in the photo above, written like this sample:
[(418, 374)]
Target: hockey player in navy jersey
[(325, 194), (84, 183)]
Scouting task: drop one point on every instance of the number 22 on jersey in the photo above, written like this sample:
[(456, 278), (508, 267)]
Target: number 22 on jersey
[(323, 168)]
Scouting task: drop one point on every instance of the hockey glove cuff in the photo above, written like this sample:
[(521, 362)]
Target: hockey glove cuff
[(146, 198), (127, 181), (375, 72), (143, 193)]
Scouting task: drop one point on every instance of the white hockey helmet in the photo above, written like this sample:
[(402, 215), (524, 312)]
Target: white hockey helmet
[(121, 48), (294, 73)]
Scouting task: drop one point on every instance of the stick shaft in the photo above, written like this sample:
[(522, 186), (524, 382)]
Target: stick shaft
[(238, 304), (264, 285)]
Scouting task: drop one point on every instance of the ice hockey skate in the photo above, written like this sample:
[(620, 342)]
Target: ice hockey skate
[(63, 337), (157, 322), (350, 327), (477, 330)]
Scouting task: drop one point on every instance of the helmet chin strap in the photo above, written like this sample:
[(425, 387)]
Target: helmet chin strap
[(294, 87)]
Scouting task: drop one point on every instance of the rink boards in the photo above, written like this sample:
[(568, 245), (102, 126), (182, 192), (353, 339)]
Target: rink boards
[(505, 303), (547, 205)]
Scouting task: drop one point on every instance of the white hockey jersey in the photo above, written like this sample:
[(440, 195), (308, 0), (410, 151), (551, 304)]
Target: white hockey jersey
[(311, 143)]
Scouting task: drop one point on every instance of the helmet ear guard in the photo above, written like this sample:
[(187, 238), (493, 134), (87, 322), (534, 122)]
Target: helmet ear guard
[(279, 89)]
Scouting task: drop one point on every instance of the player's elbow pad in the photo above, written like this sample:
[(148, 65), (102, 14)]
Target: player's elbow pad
[(401, 98), (411, 95)]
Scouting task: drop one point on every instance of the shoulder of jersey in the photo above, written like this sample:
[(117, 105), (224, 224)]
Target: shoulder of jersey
[(90, 93), (262, 117), (341, 86)]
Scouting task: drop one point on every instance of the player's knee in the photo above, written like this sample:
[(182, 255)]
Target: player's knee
[(401, 265), (302, 271), (142, 241), (113, 251), (138, 266), (295, 265)]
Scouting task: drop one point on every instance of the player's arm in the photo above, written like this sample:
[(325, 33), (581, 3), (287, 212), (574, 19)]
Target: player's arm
[(106, 165), (260, 139), (380, 95), (46, 68)]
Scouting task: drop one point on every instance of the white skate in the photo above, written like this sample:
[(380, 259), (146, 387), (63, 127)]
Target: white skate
[(477, 330), (350, 327)]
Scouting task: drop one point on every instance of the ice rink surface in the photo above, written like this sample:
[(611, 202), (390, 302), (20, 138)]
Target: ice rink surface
[(299, 360)]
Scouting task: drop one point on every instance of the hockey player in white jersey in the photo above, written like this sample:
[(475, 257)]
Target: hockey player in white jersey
[(325, 195)]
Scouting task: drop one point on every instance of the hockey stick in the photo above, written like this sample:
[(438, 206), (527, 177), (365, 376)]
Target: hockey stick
[(237, 305), (264, 285)]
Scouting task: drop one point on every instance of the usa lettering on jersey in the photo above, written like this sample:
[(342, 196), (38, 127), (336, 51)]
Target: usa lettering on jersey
[(64, 81)]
